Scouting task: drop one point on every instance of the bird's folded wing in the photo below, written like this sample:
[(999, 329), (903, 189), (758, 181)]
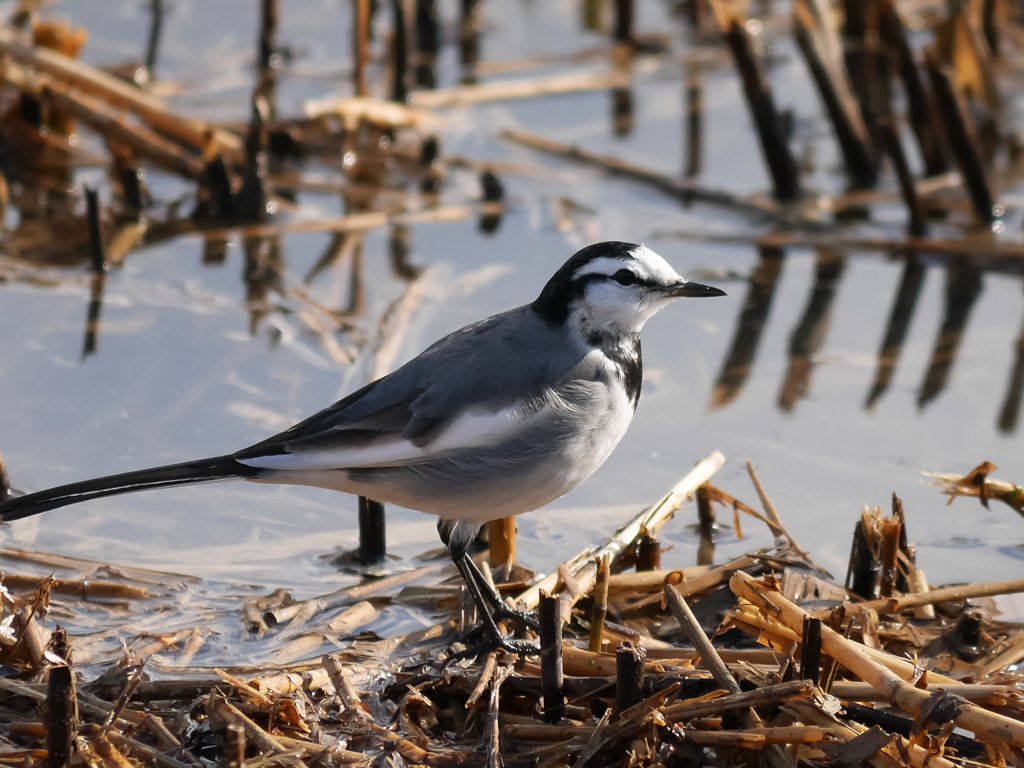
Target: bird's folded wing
[(362, 446)]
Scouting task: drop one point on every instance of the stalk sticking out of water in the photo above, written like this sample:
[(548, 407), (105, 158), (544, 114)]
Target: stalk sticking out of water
[(600, 611), (372, 533), (552, 679), (629, 676), (502, 535)]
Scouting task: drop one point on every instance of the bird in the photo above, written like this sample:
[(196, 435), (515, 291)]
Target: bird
[(496, 419)]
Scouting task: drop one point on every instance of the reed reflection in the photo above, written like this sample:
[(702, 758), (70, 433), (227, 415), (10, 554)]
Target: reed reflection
[(899, 323), (1010, 412), (963, 287), (810, 333), (740, 359)]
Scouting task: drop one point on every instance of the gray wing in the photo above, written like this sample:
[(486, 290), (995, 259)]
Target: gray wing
[(465, 389)]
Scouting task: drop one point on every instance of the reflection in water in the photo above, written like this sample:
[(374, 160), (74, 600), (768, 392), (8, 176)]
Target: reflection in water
[(810, 333), (215, 251), (399, 242), (694, 118), (264, 269), (741, 354), (469, 40), (963, 287), (428, 43), (899, 323), (622, 111), (92, 316), (1010, 413), (153, 43)]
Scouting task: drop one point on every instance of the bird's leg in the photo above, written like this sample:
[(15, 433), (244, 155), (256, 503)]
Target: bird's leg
[(457, 535), (466, 567), (499, 608)]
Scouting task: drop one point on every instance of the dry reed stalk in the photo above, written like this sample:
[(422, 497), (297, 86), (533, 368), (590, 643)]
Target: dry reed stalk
[(467, 95), (949, 594), (486, 673), (353, 222), (901, 667), (769, 510), (343, 687), (629, 676), (61, 703), (119, 94), (652, 581), (600, 611), (220, 709), (583, 567), (355, 110), (989, 695), (132, 573), (718, 704), (493, 725), (107, 120), (854, 657), (701, 644), (502, 543), (696, 585), (346, 595), (977, 484), (83, 589), (246, 689)]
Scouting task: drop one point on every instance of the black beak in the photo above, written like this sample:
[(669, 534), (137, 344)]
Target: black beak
[(691, 290)]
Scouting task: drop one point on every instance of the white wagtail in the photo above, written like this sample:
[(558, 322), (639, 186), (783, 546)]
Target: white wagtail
[(496, 419)]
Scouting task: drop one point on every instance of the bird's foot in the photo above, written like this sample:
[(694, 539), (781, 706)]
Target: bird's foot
[(495, 643), (503, 613)]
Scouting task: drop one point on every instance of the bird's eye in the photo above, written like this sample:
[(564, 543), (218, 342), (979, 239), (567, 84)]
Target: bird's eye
[(624, 277)]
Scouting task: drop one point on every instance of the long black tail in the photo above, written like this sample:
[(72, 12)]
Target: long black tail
[(201, 471)]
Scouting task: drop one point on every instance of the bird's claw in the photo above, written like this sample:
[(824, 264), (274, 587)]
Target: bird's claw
[(495, 643), (503, 612)]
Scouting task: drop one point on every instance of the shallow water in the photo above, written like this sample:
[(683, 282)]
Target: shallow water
[(177, 374)]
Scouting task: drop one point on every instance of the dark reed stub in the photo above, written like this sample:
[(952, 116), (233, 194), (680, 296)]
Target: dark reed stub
[(373, 549)]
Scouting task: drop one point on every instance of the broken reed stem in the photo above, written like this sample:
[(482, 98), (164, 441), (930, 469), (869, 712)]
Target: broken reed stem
[(695, 634), (552, 678), (373, 548), (61, 704), (648, 552), (707, 526), (824, 60), (949, 594), (769, 510), (735, 702), (810, 653), (855, 658), (234, 746), (493, 723), (629, 676), (890, 140), (502, 535), (774, 145), (961, 134), (891, 528), (584, 568), (600, 611), (361, 27), (466, 95), (121, 95)]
